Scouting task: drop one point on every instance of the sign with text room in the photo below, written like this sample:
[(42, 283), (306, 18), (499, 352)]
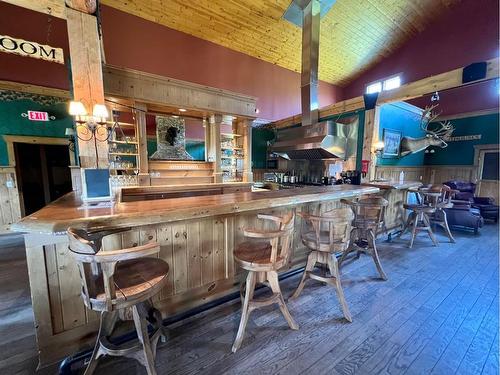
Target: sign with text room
[(35, 50)]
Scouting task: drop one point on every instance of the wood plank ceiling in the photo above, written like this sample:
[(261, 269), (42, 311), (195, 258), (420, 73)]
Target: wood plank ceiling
[(355, 34)]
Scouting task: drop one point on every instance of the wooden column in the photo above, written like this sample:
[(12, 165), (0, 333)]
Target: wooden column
[(216, 152), (86, 70), (246, 128), (208, 144), (370, 138), (142, 139)]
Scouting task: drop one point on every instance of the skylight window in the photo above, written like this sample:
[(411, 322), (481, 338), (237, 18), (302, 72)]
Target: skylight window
[(374, 87), (392, 83), (384, 84)]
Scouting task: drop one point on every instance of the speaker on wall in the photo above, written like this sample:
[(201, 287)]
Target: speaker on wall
[(370, 100), (474, 71)]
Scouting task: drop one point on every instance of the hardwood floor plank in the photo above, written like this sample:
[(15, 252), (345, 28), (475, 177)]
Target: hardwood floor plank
[(353, 351), (491, 364), (452, 356), (477, 353), (429, 356), (314, 353)]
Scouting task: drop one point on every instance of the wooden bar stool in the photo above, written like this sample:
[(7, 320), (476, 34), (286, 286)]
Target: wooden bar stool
[(418, 220), (115, 280), (439, 197), (325, 236), (368, 221), (262, 258)]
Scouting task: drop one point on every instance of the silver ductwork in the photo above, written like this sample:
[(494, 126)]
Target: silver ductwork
[(310, 60), (313, 140), (323, 140)]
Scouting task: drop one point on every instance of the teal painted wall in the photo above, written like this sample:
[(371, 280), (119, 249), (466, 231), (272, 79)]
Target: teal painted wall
[(259, 147), (12, 123), (196, 149), (399, 116), (462, 152)]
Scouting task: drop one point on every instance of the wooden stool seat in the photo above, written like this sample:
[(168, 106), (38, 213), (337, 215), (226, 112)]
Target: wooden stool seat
[(325, 235), (418, 220), (134, 279), (325, 243), (368, 220), (115, 280), (252, 255), (262, 258)]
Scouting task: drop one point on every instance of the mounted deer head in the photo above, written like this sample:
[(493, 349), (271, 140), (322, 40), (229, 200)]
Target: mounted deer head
[(434, 137)]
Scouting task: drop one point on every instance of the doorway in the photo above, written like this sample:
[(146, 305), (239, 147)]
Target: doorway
[(488, 173), (42, 174)]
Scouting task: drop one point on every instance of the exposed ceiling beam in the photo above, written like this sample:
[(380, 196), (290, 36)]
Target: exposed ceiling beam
[(55, 8), (425, 86)]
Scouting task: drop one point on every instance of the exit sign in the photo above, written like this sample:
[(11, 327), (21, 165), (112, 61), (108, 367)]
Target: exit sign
[(38, 116)]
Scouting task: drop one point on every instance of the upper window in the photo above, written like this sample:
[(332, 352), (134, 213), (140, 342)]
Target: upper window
[(374, 87), (385, 85)]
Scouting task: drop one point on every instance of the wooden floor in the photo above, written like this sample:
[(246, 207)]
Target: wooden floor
[(437, 313)]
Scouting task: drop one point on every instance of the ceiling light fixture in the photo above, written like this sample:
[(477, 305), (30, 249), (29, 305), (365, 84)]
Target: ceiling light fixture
[(182, 110)]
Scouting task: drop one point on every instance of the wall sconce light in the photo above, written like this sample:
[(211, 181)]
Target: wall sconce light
[(70, 133), (378, 148), (90, 126)]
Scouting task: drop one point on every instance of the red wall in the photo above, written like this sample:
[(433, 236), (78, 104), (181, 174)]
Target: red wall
[(135, 43), (467, 33), (21, 23)]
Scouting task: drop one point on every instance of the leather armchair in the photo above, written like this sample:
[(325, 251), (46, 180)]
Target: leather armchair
[(464, 216), (464, 196)]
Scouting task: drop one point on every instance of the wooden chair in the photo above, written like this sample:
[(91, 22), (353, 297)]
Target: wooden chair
[(439, 197), (418, 219), (262, 258), (368, 221), (325, 236), (115, 280)]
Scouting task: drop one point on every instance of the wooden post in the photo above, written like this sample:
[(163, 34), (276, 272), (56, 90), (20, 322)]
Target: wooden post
[(216, 151), (142, 139), (247, 150), (208, 144), (370, 138), (86, 69)]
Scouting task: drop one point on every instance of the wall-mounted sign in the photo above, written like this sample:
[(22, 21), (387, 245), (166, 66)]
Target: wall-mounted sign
[(37, 116), (472, 137), (31, 49)]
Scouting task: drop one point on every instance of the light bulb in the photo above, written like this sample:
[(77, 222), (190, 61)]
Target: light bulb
[(77, 109), (379, 145)]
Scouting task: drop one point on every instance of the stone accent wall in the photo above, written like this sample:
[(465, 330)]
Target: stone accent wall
[(171, 139)]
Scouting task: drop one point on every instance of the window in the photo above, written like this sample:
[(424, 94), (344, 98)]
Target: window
[(374, 87), (384, 84), (392, 83)]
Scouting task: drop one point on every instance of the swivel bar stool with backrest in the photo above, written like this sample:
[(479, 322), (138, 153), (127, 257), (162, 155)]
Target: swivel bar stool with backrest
[(368, 221), (262, 257), (418, 219), (439, 197), (115, 280), (325, 235)]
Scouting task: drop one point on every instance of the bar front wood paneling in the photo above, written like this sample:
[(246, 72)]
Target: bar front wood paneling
[(197, 237)]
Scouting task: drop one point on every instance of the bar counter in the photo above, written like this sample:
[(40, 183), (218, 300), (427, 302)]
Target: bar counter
[(197, 236)]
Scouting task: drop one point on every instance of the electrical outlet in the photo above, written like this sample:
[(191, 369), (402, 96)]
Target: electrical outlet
[(9, 184)]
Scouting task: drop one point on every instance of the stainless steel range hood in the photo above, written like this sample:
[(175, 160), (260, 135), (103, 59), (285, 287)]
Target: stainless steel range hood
[(323, 140), (312, 140)]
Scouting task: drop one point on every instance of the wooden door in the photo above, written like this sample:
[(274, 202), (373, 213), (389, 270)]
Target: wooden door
[(488, 173)]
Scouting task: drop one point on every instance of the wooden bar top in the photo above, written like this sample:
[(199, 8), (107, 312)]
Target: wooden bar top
[(68, 211), (396, 185)]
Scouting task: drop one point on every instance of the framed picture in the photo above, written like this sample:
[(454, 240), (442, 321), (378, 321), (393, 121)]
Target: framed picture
[(392, 140)]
